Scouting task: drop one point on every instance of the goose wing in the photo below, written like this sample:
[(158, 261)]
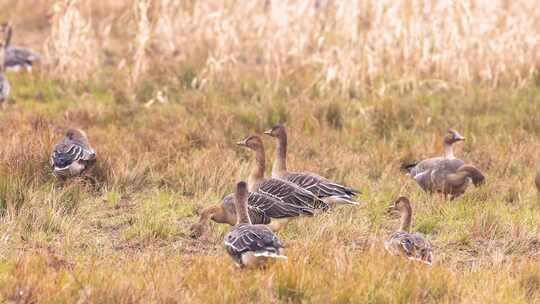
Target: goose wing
[(319, 185), (256, 215), (68, 151), (275, 208), (441, 171), (413, 246), (255, 238), (290, 193)]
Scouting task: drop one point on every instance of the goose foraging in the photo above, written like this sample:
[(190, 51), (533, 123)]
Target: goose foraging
[(326, 190), (403, 243), (247, 244), (72, 155), (262, 209)]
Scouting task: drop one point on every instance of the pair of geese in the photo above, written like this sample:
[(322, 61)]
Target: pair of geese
[(12, 58), (252, 243)]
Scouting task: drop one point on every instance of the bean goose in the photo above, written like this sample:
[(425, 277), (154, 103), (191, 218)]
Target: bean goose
[(18, 58), (4, 83), (72, 155), (283, 190), (250, 245), (403, 243), (328, 191), (537, 180), (262, 209)]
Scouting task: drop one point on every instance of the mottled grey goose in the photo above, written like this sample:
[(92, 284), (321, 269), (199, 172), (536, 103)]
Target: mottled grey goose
[(537, 180), (403, 243), (4, 83), (283, 190), (18, 58), (250, 245), (72, 155), (328, 191), (262, 209)]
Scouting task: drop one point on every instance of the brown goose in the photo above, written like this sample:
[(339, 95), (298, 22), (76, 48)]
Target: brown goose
[(262, 209), (403, 243), (328, 191), (537, 180), (72, 155), (247, 244), (5, 88), (283, 190)]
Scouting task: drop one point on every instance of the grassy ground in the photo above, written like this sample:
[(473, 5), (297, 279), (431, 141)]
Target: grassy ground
[(126, 239)]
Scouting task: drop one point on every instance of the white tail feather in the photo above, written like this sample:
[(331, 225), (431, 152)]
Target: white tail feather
[(339, 200), (270, 255)]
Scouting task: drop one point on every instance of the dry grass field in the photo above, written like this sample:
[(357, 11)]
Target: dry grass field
[(164, 89)]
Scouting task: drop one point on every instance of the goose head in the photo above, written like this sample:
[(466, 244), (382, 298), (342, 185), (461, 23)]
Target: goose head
[(401, 205), (276, 131), (452, 137), (252, 142), (75, 134)]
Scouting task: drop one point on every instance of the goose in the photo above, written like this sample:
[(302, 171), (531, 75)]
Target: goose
[(18, 58), (403, 243), (262, 209), (421, 171), (250, 245), (72, 155), (5, 88), (283, 190), (537, 180), (326, 190)]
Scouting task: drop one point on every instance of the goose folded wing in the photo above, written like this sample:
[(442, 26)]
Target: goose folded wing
[(67, 152), (319, 185), (255, 238), (276, 208), (291, 194)]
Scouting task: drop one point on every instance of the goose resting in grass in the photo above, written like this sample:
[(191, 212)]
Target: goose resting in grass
[(262, 209), (403, 243), (72, 155), (4, 83), (18, 58), (250, 245), (537, 180), (282, 190), (328, 191)]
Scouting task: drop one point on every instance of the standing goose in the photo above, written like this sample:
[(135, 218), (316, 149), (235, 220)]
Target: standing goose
[(328, 191), (250, 245), (17, 58), (4, 83), (262, 209), (72, 155), (537, 180), (283, 190), (421, 171), (403, 243)]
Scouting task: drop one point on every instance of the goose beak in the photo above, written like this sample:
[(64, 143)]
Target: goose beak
[(242, 143), (391, 209), (268, 132), (459, 137)]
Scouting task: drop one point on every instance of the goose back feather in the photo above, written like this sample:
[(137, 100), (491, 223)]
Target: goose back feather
[(72, 155)]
